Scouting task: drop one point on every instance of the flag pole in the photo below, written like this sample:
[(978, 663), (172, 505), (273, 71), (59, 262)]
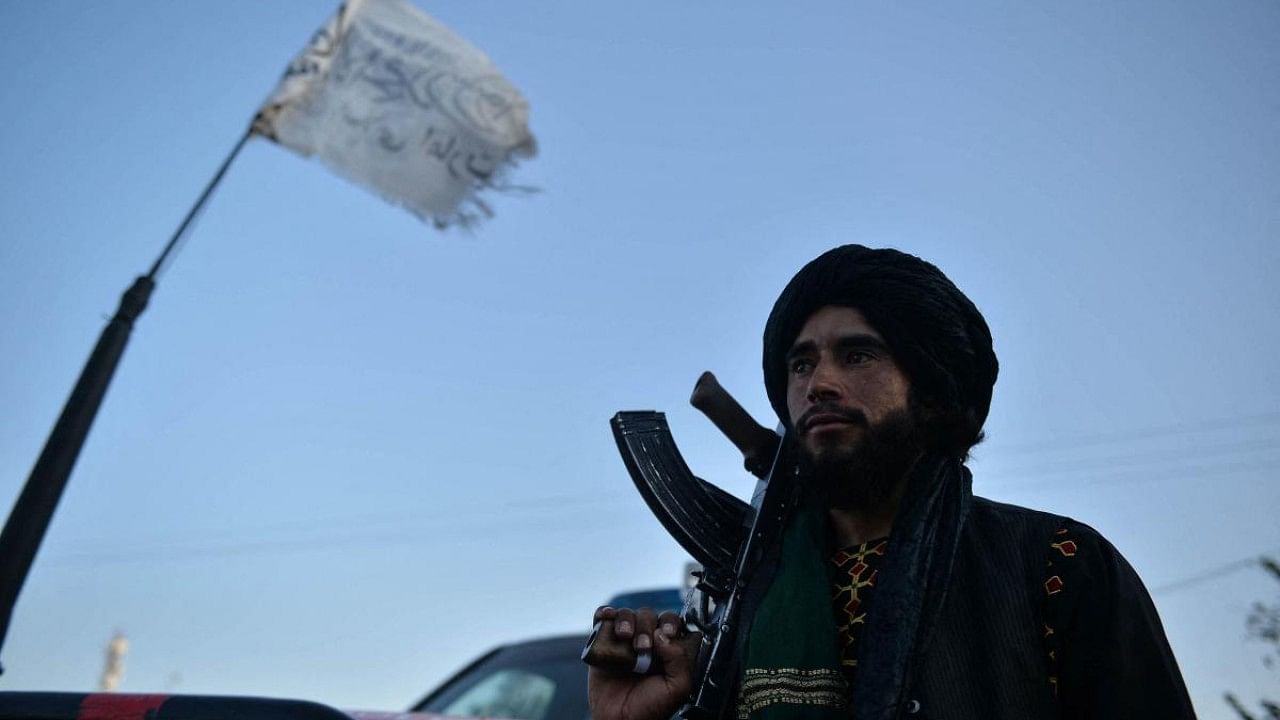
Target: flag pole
[(195, 209), (33, 510)]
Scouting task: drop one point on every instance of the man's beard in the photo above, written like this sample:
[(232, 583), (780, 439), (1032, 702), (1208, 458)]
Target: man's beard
[(868, 471)]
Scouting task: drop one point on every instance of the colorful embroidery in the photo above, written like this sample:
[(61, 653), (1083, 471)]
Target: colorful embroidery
[(1062, 549), (855, 576), (762, 688)]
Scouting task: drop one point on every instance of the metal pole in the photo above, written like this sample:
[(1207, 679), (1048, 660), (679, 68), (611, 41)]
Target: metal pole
[(34, 508)]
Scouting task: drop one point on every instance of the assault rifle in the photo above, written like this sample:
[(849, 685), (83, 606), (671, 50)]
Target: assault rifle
[(725, 535)]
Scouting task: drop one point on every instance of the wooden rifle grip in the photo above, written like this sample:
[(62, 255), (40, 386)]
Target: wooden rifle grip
[(758, 443)]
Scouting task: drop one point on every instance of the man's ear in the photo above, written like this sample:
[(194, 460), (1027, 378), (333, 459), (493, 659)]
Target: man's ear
[(928, 411), (942, 426)]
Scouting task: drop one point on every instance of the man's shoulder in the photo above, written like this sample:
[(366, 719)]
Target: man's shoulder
[(988, 510), (1009, 529), (994, 516), (1066, 534)]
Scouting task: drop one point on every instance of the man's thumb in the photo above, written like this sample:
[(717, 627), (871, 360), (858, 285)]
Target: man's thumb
[(677, 658)]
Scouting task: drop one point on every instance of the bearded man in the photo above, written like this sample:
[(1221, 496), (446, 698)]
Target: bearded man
[(896, 592)]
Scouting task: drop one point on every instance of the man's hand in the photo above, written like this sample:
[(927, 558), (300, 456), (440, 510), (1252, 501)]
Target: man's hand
[(624, 695)]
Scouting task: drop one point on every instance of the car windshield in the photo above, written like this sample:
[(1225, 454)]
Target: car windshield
[(534, 681), (516, 694)]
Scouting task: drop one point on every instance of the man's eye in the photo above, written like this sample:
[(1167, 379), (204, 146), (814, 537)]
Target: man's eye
[(800, 367), (858, 357)]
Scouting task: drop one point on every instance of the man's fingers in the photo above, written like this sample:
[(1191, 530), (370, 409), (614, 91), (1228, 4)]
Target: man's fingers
[(626, 639), (646, 623), (670, 623), (624, 623)]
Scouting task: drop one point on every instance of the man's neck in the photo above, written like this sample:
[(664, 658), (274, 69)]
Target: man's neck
[(871, 520), (854, 527)]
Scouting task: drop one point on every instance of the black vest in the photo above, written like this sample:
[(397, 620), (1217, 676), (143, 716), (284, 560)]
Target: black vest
[(987, 658)]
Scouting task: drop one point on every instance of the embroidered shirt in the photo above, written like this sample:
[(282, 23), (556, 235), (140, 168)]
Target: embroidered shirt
[(853, 582)]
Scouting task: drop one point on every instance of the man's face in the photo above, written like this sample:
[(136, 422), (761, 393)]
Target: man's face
[(844, 389)]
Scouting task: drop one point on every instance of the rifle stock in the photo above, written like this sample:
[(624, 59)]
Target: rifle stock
[(757, 443)]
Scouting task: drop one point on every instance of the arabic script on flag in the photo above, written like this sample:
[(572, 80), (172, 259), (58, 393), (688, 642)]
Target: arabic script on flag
[(390, 98)]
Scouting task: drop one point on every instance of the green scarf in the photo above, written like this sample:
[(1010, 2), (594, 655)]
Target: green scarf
[(791, 667), (791, 664)]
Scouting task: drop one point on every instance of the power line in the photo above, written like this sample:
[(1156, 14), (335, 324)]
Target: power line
[(464, 512), (1124, 475), (385, 532), (1156, 431), (1209, 574), (1147, 457), (428, 530)]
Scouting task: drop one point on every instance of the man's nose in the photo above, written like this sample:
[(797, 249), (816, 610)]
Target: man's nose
[(823, 384)]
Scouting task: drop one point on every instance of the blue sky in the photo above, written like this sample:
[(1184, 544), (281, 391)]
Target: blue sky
[(345, 452)]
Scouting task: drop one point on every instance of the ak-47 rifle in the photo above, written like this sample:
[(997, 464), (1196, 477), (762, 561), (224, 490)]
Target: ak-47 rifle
[(725, 535)]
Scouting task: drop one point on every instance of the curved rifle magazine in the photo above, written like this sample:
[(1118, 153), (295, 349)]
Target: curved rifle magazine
[(706, 521)]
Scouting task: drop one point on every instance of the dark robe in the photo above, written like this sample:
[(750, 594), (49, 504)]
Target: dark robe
[(1042, 618)]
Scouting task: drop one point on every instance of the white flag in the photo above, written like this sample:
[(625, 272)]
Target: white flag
[(395, 101)]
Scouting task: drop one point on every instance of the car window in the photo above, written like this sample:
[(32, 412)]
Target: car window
[(514, 694), (537, 680)]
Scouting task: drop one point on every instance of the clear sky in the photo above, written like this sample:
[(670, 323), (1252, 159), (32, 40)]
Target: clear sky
[(345, 452)]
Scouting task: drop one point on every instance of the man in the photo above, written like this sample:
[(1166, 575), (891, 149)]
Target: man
[(895, 592)]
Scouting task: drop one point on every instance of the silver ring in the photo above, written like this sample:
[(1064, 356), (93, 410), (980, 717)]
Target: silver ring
[(643, 661)]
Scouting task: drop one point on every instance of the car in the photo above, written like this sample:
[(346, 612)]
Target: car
[(541, 679), (134, 706)]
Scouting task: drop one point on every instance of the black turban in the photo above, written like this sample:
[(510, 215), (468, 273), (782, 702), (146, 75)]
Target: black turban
[(936, 334)]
